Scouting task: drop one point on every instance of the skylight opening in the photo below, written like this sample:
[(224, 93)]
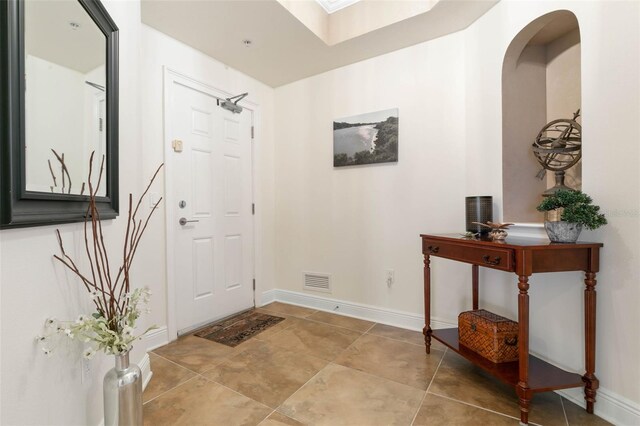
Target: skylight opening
[(331, 6)]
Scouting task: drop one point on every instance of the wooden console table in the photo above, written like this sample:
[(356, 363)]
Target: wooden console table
[(524, 257)]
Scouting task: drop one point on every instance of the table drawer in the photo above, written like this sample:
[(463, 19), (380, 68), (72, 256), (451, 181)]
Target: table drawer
[(483, 256)]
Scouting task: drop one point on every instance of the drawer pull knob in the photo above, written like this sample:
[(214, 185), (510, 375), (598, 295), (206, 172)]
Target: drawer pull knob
[(487, 260), (433, 249)]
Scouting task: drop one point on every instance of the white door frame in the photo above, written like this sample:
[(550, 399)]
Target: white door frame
[(172, 77)]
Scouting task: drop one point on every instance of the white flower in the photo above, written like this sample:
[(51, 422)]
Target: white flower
[(127, 331), (68, 332), (93, 295), (46, 351), (81, 318), (40, 338), (89, 353), (51, 322)]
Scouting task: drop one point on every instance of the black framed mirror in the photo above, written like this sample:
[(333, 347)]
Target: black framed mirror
[(58, 104)]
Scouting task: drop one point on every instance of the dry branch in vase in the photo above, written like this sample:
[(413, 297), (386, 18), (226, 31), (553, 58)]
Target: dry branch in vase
[(64, 172), (111, 327)]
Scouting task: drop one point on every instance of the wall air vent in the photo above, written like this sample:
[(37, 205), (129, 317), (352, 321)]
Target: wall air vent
[(317, 282)]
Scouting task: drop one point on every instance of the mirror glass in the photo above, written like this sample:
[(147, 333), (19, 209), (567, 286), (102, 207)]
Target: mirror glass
[(65, 97)]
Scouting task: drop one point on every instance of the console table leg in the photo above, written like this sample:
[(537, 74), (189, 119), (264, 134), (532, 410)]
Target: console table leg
[(523, 391), (524, 406), (475, 284), (427, 304), (589, 378)]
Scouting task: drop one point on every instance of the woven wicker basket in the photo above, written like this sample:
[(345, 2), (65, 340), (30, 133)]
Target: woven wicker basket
[(490, 335)]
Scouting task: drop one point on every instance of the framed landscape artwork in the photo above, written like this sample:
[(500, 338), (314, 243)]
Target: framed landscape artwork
[(366, 139)]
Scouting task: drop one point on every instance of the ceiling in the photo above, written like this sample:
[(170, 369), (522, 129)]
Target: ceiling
[(284, 49), (49, 35)]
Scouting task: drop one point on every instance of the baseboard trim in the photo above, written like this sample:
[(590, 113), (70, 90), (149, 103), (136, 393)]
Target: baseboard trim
[(156, 338), (145, 367), (610, 406), (387, 316)]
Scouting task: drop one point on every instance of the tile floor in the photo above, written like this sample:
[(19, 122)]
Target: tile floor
[(317, 368)]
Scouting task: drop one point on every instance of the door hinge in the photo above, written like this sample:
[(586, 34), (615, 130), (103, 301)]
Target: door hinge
[(254, 283), (253, 208), (100, 124), (252, 132)]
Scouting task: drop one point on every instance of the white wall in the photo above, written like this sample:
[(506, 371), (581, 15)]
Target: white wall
[(55, 108), (610, 45), (35, 389), (158, 51), (34, 287), (355, 223)]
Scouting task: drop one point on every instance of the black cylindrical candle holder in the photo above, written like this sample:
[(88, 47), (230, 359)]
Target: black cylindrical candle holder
[(478, 209)]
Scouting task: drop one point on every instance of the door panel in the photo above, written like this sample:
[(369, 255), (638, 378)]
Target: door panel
[(233, 185), (213, 252), (203, 260), (233, 261)]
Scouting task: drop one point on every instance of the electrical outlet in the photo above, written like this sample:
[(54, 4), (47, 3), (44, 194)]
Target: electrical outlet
[(86, 370), (391, 277)]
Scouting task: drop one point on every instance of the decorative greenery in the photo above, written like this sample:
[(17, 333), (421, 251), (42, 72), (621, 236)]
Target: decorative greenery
[(577, 208), (117, 307)]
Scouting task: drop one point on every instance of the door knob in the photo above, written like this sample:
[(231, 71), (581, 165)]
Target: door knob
[(183, 221)]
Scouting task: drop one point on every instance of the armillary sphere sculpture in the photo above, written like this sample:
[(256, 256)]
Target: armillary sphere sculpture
[(558, 147)]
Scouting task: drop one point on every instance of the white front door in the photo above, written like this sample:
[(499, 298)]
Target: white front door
[(211, 181)]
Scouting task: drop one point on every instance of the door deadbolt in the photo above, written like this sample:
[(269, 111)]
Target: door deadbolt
[(182, 204), (183, 221)]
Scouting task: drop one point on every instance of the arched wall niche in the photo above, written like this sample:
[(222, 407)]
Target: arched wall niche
[(540, 82)]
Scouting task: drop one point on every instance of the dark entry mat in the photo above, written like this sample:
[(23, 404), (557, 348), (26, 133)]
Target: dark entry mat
[(235, 330)]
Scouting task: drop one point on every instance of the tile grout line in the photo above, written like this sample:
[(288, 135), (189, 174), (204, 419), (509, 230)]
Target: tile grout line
[(477, 406), (375, 374), (169, 390), (298, 390), (428, 387), (400, 340), (237, 393), (329, 324), (566, 418), (175, 363)]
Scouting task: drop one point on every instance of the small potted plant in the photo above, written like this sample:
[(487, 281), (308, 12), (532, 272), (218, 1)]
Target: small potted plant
[(567, 212)]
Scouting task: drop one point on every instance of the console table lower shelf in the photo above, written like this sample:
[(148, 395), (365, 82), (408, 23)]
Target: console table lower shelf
[(543, 377)]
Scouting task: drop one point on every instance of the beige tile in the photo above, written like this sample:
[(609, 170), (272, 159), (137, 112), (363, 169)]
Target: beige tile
[(316, 339), (198, 354), (459, 379), (266, 373), (296, 311), (166, 375), (440, 411), (289, 320), (341, 321), (392, 359), (343, 396), (201, 402), (277, 419), (410, 336), (578, 416)]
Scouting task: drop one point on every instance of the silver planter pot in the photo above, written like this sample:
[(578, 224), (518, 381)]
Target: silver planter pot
[(563, 232), (123, 394)]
